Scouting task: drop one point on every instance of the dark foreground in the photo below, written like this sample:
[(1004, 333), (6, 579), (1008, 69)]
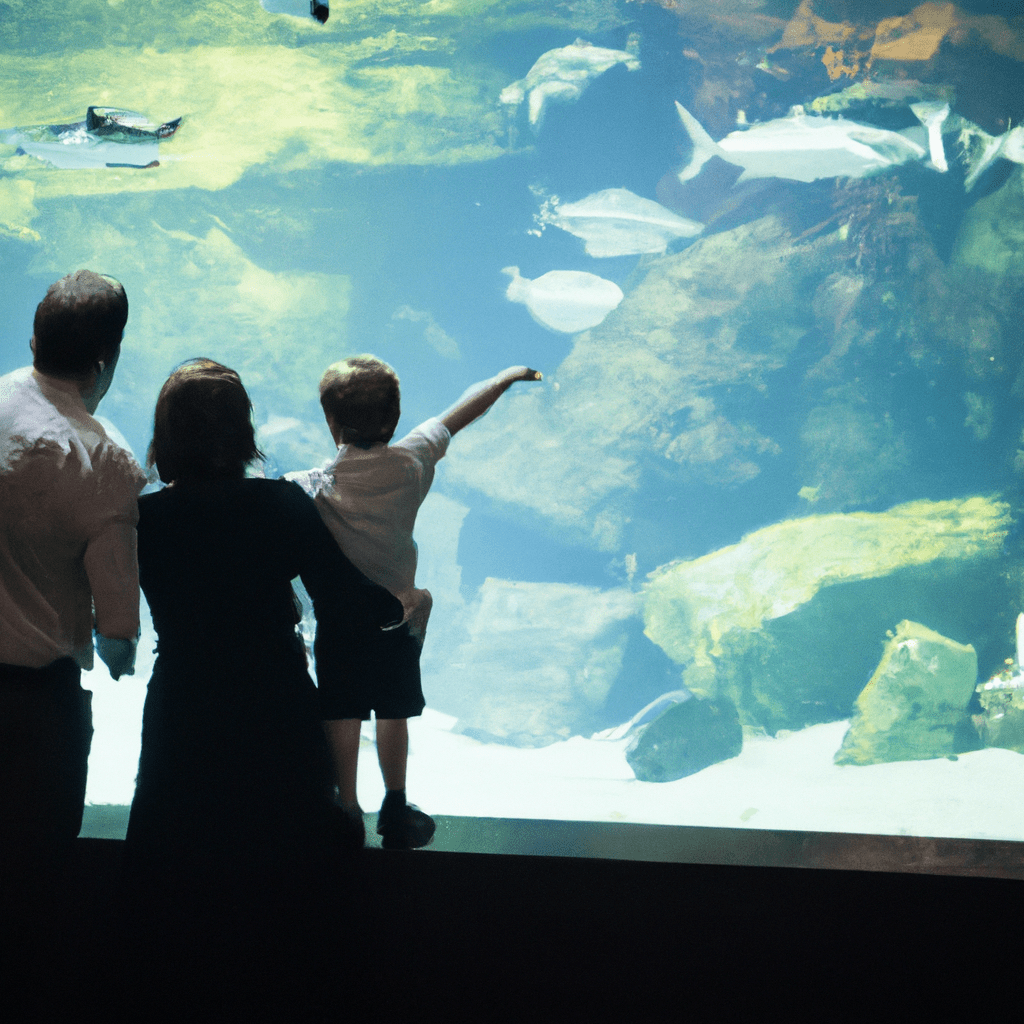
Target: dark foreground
[(425, 934)]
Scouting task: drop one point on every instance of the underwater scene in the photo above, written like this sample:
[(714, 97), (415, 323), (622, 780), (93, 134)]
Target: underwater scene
[(751, 554)]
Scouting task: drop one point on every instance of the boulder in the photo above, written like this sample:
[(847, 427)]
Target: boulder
[(785, 623), (685, 739), (539, 661), (1001, 722), (915, 705)]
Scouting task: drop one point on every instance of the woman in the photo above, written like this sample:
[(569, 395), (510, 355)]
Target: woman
[(233, 802)]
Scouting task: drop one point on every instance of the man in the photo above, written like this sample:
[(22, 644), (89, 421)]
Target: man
[(68, 509)]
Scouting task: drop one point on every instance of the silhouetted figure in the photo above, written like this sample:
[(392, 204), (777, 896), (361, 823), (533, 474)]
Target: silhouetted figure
[(369, 496), (232, 828), (67, 562)]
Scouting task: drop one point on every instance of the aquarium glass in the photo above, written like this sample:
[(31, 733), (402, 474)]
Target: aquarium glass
[(749, 554)]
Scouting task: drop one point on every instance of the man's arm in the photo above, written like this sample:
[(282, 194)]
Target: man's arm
[(480, 397), (111, 563)]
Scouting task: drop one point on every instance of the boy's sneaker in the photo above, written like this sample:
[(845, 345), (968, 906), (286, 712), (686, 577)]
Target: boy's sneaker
[(348, 828), (403, 826)]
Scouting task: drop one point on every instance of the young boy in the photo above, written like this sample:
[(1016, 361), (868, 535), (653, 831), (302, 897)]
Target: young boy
[(368, 497)]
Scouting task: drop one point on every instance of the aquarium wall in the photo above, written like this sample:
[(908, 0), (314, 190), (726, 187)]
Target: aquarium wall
[(749, 555)]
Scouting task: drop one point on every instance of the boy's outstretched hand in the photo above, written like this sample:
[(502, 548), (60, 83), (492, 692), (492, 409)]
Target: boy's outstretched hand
[(480, 397)]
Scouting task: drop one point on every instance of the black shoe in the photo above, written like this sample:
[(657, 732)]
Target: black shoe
[(350, 833), (404, 827)]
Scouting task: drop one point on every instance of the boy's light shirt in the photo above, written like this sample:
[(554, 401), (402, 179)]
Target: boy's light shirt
[(369, 498)]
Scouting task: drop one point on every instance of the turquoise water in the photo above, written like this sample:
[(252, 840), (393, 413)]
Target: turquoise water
[(821, 351)]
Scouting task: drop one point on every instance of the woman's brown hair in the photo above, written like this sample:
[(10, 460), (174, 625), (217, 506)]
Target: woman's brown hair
[(202, 427)]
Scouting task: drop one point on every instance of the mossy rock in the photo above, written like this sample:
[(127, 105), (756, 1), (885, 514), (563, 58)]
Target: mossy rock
[(915, 705), (786, 623), (686, 739)]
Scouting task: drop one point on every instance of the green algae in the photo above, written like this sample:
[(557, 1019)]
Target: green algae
[(690, 606), (380, 84)]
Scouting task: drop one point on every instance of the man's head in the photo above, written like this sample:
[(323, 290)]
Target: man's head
[(361, 400), (78, 326)]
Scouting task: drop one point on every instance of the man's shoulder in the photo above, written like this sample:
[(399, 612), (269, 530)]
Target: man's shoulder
[(19, 396)]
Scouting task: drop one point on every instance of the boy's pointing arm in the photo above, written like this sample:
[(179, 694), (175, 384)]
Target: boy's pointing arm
[(480, 397)]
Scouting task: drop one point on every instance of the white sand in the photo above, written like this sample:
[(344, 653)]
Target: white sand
[(784, 783)]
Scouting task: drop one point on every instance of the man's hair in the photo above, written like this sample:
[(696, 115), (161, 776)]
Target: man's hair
[(79, 323), (202, 427), (361, 395)]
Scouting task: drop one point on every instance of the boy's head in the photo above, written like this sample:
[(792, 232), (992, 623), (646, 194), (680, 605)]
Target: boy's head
[(361, 400)]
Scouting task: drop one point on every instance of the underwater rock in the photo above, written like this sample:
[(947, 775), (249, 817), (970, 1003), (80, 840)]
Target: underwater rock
[(914, 707), (991, 236), (564, 74), (564, 300), (686, 739), (851, 449), (642, 392), (17, 209), (539, 661), (615, 222), (785, 623), (647, 714), (1001, 722)]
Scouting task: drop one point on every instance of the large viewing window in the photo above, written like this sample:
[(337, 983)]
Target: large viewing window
[(750, 555)]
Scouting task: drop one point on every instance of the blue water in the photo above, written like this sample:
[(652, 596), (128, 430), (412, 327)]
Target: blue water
[(422, 246)]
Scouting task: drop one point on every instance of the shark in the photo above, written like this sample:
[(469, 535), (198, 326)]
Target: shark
[(806, 147), (108, 137)]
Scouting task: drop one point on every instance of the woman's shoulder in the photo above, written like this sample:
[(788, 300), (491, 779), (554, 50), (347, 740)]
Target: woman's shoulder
[(254, 491)]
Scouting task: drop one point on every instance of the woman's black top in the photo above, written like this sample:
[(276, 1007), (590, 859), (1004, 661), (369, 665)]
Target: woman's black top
[(234, 783)]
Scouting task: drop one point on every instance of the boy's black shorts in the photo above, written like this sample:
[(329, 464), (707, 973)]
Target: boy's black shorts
[(385, 680)]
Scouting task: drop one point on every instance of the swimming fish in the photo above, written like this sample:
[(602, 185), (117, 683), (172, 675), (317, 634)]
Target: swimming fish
[(108, 137), (564, 75), (801, 147), (616, 222), (564, 300)]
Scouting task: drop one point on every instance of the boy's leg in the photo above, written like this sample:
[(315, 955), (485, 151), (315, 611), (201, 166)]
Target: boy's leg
[(343, 735), (393, 750), (400, 824)]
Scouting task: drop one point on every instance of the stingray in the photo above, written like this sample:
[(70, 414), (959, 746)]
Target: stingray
[(108, 137), (564, 300), (802, 147), (564, 74), (616, 222)]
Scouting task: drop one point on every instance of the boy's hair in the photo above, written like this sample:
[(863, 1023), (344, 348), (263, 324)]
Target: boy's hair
[(361, 396), (202, 427), (78, 324)]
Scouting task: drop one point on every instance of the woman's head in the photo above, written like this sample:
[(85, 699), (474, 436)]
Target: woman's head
[(202, 428)]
